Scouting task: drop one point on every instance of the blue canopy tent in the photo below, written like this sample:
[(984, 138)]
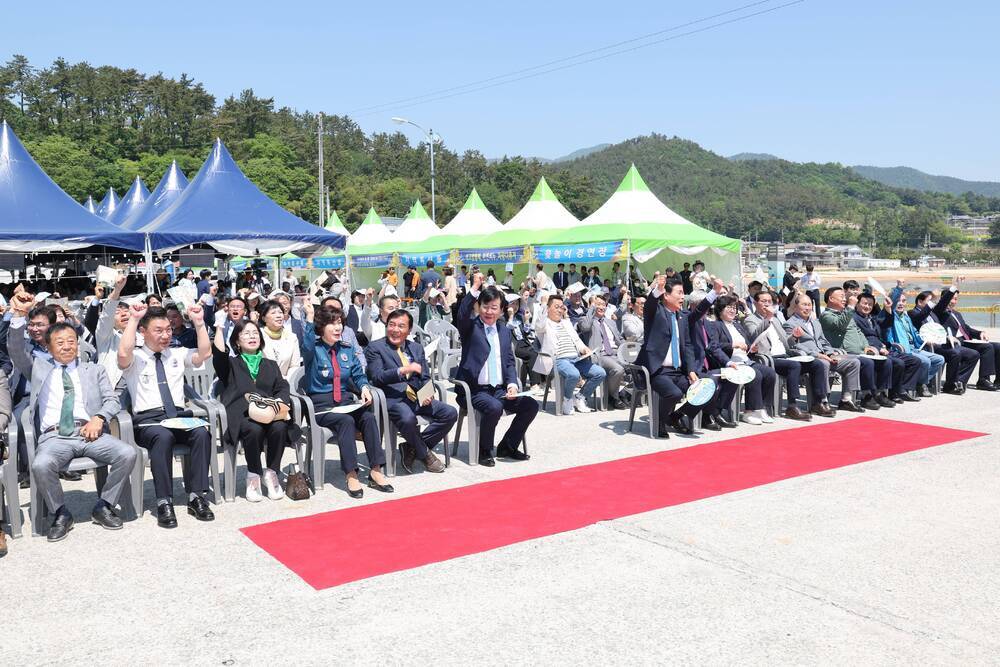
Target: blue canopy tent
[(223, 208), (165, 194), (90, 205), (108, 204), (130, 203), (37, 216)]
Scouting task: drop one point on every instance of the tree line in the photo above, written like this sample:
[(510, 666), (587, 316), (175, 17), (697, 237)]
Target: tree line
[(92, 128)]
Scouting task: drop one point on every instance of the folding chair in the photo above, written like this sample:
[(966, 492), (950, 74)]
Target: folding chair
[(641, 386), (10, 505), (392, 433)]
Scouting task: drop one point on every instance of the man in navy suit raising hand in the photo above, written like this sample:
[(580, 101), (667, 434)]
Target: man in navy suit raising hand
[(487, 365)]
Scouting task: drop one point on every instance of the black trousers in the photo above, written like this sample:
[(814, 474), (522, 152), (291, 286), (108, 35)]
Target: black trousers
[(490, 403), (959, 362), (440, 415), (909, 371), (526, 352), (989, 358), (345, 427), (256, 437), (160, 442), (670, 386)]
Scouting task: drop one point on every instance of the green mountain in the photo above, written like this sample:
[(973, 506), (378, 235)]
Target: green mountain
[(907, 177), (775, 198), (582, 152)]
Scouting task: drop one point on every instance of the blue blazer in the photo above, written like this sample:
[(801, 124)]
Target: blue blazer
[(873, 329), (319, 371), (656, 345), (476, 348), (384, 364)]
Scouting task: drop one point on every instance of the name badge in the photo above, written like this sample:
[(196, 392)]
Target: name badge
[(325, 372), (343, 356)]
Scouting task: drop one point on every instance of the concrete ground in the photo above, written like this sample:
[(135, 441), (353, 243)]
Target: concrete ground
[(888, 562)]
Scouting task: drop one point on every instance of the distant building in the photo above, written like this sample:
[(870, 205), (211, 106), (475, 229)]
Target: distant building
[(865, 263), (978, 227), (808, 253)]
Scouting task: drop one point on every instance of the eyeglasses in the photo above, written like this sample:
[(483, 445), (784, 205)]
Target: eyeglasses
[(731, 307)]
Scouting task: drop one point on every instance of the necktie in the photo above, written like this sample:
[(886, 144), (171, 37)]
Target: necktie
[(161, 381), (675, 344), (493, 362), (961, 329), (704, 339), (66, 422), (604, 338), (336, 375), (410, 394)]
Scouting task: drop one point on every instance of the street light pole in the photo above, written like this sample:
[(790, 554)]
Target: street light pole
[(431, 139)]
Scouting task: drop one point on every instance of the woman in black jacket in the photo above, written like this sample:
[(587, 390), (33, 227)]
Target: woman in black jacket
[(249, 372)]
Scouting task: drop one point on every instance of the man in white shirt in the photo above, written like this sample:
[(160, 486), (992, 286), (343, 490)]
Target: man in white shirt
[(154, 374), (572, 358), (73, 403), (541, 279), (809, 282), (700, 278), (375, 328), (632, 323)]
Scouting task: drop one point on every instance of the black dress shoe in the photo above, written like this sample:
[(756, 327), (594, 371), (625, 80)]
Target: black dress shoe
[(505, 452), (708, 423), (70, 476), (615, 404), (409, 456), (923, 391), (384, 488), (199, 509), (885, 401), (907, 398), (104, 515), (61, 525), (960, 388), (851, 406), (360, 493), (487, 461), (663, 431), (986, 385), (954, 389), (869, 404), (165, 516), (725, 423), (793, 412), (822, 410), (680, 425)]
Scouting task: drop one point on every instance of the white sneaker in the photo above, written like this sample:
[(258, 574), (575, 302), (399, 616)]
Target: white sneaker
[(764, 417), (580, 403), (253, 488), (567, 406), (273, 485), (750, 418)]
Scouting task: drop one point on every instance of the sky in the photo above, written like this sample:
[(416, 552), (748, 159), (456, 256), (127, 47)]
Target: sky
[(879, 82)]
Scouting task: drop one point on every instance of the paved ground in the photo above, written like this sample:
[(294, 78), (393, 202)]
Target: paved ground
[(893, 561)]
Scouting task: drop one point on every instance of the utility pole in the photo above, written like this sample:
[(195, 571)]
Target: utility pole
[(322, 218)]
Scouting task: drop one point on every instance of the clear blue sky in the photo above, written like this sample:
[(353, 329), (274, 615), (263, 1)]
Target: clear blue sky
[(887, 83)]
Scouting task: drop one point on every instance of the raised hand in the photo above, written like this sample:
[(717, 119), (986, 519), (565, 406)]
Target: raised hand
[(718, 286), (22, 302), (477, 281), (797, 332), (137, 311), (197, 315)]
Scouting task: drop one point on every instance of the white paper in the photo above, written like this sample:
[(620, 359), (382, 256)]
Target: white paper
[(343, 409), (425, 392), (107, 276), (181, 423), (184, 296), (583, 356), (877, 286)]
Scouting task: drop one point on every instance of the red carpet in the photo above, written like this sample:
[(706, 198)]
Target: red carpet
[(346, 545)]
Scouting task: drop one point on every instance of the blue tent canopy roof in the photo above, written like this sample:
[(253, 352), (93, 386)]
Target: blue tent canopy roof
[(90, 205), (165, 194), (36, 215), (109, 204), (222, 207), (130, 203)]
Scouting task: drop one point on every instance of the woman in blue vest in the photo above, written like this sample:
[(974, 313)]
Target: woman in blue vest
[(333, 375)]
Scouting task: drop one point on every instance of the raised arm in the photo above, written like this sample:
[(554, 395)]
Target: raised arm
[(126, 346), (16, 344), (204, 353), (105, 330)]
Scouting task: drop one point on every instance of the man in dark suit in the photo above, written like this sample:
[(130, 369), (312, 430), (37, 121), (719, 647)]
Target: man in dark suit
[(560, 278), (487, 365), (398, 367), (988, 351), (959, 361), (904, 367), (668, 353), (712, 416)]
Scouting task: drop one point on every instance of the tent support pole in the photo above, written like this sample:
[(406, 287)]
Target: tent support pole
[(148, 253)]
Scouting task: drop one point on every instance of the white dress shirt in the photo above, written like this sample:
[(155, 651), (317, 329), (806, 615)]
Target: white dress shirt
[(50, 397), (494, 339), (141, 380)]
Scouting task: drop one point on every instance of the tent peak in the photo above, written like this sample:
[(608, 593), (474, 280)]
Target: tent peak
[(417, 211), (474, 202), (543, 192), (633, 182)]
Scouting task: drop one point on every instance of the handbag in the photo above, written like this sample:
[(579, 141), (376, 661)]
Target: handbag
[(297, 486), (265, 410)]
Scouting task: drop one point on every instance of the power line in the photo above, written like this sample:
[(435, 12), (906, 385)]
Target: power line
[(547, 68)]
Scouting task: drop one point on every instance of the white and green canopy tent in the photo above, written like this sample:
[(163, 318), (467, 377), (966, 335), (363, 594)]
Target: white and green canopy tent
[(543, 212), (654, 235), (334, 259), (473, 220), (370, 249)]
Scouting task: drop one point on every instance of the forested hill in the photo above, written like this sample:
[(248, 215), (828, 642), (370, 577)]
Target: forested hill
[(92, 128), (907, 177)]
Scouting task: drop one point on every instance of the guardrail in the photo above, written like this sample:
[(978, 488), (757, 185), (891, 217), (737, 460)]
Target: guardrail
[(993, 310)]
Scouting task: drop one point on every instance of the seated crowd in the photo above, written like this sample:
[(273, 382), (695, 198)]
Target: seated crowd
[(336, 348)]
